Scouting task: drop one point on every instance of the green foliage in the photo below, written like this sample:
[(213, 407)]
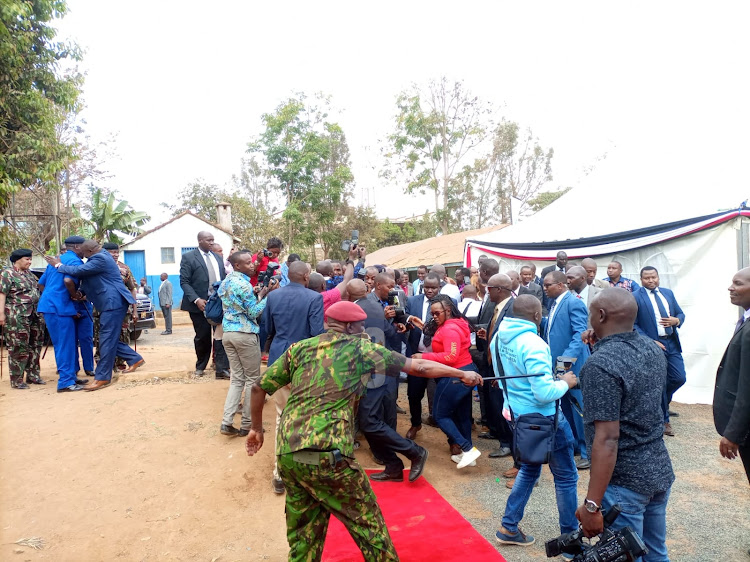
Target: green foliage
[(35, 95), (392, 234), (307, 159), (435, 131), (545, 198), (108, 219)]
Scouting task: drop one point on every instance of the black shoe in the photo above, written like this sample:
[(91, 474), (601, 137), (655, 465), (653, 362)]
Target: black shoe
[(223, 375), (72, 388), (278, 486), (166, 332), (20, 385), (583, 464), (82, 381), (417, 465), (673, 414), (486, 436), (388, 476), (90, 374), (37, 381), (229, 430), (243, 432)]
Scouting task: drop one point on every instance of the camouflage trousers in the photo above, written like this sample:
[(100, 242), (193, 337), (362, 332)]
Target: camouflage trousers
[(24, 338), (313, 493), (124, 338)]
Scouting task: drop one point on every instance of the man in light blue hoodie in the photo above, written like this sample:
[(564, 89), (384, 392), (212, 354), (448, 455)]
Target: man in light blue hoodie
[(523, 352)]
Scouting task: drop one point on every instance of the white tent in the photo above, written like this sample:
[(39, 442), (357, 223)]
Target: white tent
[(696, 256)]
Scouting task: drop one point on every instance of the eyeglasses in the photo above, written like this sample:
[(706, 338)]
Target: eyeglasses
[(550, 284), (497, 287)]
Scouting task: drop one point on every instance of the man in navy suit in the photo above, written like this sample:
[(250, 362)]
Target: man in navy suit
[(102, 283), (562, 329), (293, 313), (196, 281), (419, 306), (654, 303)]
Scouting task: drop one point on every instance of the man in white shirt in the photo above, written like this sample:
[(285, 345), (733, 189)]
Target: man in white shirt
[(447, 288), (421, 274), (590, 266)]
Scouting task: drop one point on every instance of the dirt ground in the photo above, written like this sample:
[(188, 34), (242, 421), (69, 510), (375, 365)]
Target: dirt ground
[(139, 471)]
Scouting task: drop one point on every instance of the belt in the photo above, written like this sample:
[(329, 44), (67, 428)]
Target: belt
[(332, 458)]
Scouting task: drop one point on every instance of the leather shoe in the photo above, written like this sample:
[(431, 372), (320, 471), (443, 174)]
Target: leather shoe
[(37, 381), (673, 414), (486, 435), (499, 453), (223, 375), (388, 477), (72, 388), (512, 472), (583, 464), (278, 486), (82, 381), (90, 373), (456, 449), (412, 433), (668, 429), (229, 430), (417, 465), (132, 368), (96, 385), (166, 332)]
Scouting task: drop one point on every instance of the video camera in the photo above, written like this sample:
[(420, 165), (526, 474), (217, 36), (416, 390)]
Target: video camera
[(621, 546), (347, 245), (264, 277), (563, 365), (400, 310)]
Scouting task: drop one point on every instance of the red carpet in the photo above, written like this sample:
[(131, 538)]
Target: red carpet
[(423, 526)]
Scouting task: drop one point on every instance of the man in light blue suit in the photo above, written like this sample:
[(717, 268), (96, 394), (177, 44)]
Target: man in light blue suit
[(102, 284), (657, 302), (562, 329), (293, 313)]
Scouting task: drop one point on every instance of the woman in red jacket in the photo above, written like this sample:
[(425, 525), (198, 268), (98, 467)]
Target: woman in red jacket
[(451, 339)]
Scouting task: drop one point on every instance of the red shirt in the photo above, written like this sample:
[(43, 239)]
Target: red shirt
[(264, 261), (450, 344), (330, 297)]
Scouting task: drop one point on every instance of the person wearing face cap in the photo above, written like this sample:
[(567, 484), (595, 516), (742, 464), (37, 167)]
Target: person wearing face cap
[(68, 319), (315, 447), (24, 329)]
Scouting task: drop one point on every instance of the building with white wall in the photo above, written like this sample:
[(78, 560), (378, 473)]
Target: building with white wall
[(160, 249)]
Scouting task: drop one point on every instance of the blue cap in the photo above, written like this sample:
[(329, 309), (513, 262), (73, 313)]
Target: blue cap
[(75, 240)]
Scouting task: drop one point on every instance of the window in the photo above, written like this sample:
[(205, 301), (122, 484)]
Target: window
[(167, 255), (186, 250)]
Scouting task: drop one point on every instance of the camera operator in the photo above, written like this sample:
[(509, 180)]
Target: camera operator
[(622, 385), (269, 254)]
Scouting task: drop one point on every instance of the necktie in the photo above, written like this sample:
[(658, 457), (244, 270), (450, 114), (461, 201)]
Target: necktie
[(549, 319), (662, 311), (740, 322), (211, 273), (493, 322)]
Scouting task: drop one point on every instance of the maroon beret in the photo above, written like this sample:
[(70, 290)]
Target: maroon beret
[(345, 311)]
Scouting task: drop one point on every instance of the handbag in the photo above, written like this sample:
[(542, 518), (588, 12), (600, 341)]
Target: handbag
[(533, 434), (214, 311)]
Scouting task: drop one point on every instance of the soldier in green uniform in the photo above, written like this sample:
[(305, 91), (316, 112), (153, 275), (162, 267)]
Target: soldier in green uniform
[(24, 329), (315, 446)]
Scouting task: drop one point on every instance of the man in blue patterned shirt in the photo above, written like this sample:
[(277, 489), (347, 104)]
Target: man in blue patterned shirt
[(242, 308), (615, 278)]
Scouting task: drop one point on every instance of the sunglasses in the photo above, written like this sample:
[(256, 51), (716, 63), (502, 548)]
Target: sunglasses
[(497, 287), (436, 314)]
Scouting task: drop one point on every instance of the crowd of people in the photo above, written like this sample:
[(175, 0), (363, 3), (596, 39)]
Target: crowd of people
[(599, 358)]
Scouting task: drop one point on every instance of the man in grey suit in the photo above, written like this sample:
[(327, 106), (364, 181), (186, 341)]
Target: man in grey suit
[(590, 266), (165, 302), (579, 287)]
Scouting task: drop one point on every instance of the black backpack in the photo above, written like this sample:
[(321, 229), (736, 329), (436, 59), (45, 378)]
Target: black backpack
[(214, 310)]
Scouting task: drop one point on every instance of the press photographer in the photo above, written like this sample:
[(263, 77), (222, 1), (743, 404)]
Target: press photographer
[(269, 254), (622, 384)]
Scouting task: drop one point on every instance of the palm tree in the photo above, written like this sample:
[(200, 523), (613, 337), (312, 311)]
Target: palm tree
[(110, 220)]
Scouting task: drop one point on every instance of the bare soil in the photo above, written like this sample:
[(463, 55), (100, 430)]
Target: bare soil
[(139, 471)]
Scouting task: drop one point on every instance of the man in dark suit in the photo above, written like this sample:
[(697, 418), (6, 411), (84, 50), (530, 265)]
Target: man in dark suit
[(102, 284), (499, 289), (293, 313), (529, 287), (561, 265), (487, 268), (562, 329), (419, 306), (199, 270), (657, 302), (732, 392), (165, 302)]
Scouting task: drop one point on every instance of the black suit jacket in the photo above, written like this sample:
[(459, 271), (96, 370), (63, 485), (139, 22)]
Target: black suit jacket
[(194, 278), (483, 347), (534, 290), (732, 392)]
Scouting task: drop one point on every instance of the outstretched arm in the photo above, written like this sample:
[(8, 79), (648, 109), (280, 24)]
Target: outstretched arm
[(255, 437), (433, 370)]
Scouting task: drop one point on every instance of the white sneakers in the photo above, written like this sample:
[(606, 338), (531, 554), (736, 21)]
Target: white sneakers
[(468, 458)]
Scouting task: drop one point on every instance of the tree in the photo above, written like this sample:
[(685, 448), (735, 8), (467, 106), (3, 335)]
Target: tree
[(109, 219), (435, 132), (521, 166), (545, 198), (35, 94), (307, 158)]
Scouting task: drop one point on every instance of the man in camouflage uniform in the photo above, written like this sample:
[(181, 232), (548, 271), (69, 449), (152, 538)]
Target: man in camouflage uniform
[(24, 328), (315, 446), (129, 280)]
